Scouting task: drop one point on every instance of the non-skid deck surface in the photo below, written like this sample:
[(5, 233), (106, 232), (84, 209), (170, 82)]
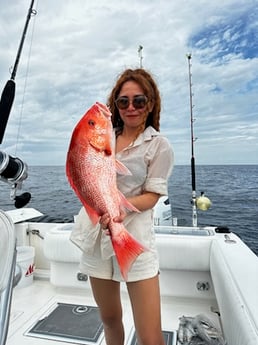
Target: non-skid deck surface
[(170, 338), (77, 324)]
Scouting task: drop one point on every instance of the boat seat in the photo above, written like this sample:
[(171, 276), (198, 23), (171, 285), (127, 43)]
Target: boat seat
[(173, 256), (7, 247), (235, 280), (58, 247), (63, 255), (7, 270), (184, 263)]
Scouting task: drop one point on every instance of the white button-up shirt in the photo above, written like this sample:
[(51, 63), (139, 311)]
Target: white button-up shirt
[(150, 160)]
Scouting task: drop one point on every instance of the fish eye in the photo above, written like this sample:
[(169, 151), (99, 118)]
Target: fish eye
[(91, 123)]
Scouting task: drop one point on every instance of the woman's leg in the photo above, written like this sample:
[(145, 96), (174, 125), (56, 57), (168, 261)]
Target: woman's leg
[(107, 296), (145, 300)]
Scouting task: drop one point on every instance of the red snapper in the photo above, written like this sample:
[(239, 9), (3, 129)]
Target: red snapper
[(91, 170)]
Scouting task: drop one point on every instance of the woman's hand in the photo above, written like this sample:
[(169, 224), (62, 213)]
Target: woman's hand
[(121, 217), (105, 219)]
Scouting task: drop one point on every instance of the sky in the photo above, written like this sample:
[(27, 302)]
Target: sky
[(74, 51)]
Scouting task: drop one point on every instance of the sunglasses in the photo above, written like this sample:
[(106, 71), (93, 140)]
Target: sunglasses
[(138, 102)]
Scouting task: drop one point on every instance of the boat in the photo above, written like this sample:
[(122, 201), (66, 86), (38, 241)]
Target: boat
[(205, 272), (208, 278)]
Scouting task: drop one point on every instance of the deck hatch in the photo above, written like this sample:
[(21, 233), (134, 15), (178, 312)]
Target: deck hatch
[(77, 324), (170, 338)]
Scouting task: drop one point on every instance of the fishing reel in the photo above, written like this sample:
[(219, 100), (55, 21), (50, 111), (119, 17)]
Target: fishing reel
[(202, 202), (14, 171)]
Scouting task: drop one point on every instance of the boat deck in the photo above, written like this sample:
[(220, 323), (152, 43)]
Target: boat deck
[(35, 301)]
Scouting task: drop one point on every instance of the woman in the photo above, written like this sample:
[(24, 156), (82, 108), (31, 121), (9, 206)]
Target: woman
[(135, 106)]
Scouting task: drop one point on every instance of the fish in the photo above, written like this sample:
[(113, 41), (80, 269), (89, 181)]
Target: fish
[(91, 169), (198, 330)]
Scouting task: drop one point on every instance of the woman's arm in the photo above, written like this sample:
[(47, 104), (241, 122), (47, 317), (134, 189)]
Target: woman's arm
[(142, 202)]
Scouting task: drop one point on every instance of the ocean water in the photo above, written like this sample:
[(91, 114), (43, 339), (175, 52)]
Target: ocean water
[(233, 190)]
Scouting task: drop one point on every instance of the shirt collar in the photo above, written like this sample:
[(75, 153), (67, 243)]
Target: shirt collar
[(147, 135)]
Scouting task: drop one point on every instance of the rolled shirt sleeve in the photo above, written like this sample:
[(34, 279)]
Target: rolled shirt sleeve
[(161, 162)]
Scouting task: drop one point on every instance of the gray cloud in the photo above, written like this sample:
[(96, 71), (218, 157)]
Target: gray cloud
[(79, 47)]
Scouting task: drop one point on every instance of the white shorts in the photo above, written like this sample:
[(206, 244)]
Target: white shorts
[(98, 259), (145, 266)]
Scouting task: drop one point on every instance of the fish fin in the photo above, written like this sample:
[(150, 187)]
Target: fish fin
[(104, 109), (93, 215), (126, 204), (122, 169), (127, 249)]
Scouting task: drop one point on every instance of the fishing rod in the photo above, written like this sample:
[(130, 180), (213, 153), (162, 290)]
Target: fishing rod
[(194, 214), (12, 169), (8, 93), (201, 202)]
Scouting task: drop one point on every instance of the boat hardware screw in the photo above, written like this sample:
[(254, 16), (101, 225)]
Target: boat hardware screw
[(82, 277), (203, 286)]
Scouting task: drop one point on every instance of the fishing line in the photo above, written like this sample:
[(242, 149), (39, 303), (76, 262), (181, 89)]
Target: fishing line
[(33, 13)]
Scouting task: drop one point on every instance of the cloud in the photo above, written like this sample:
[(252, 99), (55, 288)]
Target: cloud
[(74, 50)]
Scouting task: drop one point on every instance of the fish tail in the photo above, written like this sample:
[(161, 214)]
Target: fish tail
[(127, 249)]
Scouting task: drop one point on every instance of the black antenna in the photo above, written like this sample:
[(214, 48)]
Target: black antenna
[(8, 93), (194, 215)]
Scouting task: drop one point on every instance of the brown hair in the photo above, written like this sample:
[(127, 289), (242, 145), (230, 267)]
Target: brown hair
[(150, 89)]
